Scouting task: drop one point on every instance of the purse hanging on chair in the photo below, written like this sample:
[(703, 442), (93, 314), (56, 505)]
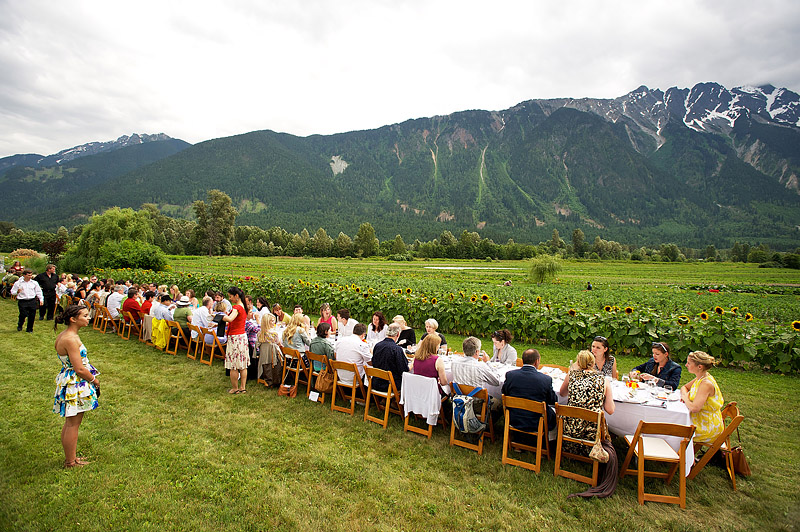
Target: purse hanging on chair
[(598, 453), (324, 382), (740, 465)]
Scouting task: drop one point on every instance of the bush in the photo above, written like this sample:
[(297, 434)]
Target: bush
[(131, 254), (770, 264), (38, 264), (22, 253), (401, 257), (543, 268)]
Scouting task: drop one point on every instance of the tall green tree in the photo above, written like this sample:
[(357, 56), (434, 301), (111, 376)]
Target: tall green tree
[(365, 241), (215, 222), (578, 242)]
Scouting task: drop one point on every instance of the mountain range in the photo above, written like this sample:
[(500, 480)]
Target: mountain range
[(697, 166)]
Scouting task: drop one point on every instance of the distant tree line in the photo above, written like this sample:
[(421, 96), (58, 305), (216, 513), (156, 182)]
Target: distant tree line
[(128, 238)]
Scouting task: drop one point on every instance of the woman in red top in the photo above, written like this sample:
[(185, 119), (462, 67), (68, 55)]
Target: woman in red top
[(237, 354)]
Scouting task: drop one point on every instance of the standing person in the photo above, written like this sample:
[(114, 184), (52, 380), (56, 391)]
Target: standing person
[(48, 281), (237, 355), (77, 387), (27, 291)]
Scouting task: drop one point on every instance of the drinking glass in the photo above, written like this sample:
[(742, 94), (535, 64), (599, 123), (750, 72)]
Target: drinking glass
[(668, 389)]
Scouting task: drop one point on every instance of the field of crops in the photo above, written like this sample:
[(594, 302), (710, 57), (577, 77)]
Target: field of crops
[(739, 313)]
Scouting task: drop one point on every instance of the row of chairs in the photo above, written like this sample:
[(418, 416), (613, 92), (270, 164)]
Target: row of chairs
[(647, 444)]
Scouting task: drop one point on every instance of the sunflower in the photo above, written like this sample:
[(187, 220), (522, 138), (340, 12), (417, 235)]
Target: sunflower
[(434, 301), (748, 317), (300, 281), (370, 290), (628, 310), (473, 299), (607, 308), (719, 310), (358, 290), (683, 320), (704, 315), (353, 286), (316, 286), (484, 297), (538, 300), (547, 306), (572, 312), (452, 297), (408, 290), (509, 305), (796, 325), (366, 296), (461, 293), (734, 310)]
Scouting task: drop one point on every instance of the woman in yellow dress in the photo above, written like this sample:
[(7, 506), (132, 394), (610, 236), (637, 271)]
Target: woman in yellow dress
[(703, 398)]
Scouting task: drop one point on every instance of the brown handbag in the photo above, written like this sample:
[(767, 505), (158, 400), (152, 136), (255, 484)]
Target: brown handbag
[(740, 464), (598, 453), (324, 382), (287, 390)]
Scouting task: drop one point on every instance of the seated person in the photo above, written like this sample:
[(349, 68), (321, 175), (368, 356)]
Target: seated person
[(503, 352), (201, 316), (377, 328), (430, 327), (326, 316), (148, 302), (182, 314), (472, 371), (354, 349), (346, 323), (427, 363), (280, 315), (165, 309), (114, 301), (408, 336), (298, 309), (660, 368), (132, 306), (703, 398), (528, 383), (389, 356), (321, 344)]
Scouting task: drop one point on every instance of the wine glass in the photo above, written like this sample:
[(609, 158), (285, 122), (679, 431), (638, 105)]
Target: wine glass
[(668, 389)]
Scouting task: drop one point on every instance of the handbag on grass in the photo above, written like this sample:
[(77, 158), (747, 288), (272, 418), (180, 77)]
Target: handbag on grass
[(287, 390), (598, 453), (740, 464), (324, 382)]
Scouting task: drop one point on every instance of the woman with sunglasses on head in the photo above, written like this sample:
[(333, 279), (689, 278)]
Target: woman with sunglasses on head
[(603, 360), (660, 369)]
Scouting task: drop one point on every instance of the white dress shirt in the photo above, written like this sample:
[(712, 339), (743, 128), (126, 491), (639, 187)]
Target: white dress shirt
[(27, 290)]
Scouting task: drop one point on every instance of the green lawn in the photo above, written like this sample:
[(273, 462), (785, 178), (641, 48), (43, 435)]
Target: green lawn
[(172, 450)]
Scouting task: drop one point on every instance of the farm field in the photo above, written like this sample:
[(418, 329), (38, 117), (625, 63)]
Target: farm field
[(171, 450)]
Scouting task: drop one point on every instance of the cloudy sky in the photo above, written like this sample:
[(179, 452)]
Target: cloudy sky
[(77, 71)]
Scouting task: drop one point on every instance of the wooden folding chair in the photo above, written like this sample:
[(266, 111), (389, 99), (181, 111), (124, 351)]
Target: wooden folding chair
[(197, 341), (563, 412), (128, 324), (484, 417), (313, 374), (175, 333), (210, 347), (656, 449), (565, 369), (103, 318), (293, 363), (519, 363), (536, 407), (722, 443), (420, 386), (356, 387), (389, 398), (146, 330)]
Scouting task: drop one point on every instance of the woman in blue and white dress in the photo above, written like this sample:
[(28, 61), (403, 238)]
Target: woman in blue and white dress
[(77, 386)]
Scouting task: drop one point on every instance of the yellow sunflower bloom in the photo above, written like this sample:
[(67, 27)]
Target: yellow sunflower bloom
[(485, 297), (607, 308), (538, 300), (408, 291), (628, 310), (572, 312), (734, 310), (434, 301), (683, 320), (704, 316), (719, 310), (796, 325), (748, 317), (473, 299), (509, 305), (358, 290)]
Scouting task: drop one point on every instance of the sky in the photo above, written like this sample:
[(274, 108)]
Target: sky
[(78, 71)]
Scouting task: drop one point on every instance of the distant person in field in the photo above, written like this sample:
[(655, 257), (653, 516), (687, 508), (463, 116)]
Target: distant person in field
[(48, 280)]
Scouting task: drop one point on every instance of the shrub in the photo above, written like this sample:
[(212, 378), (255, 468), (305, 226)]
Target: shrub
[(543, 268), (38, 263), (22, 253), (131, 254)]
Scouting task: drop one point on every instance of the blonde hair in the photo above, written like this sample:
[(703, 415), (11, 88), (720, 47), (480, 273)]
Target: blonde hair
[(267, 324), (401, 320), (701, 358), (296, 322), (427, 347), (585, 359)]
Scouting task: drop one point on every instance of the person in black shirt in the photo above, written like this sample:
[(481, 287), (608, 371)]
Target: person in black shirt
[(48, 281), (389, 356)]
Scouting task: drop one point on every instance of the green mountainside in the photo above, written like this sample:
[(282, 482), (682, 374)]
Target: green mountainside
[(518, 173)]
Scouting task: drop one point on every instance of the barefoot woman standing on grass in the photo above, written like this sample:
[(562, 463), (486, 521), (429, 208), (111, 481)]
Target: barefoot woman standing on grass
[(77, 387)]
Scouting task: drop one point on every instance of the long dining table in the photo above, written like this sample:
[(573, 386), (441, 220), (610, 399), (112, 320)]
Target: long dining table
[(629, 408)]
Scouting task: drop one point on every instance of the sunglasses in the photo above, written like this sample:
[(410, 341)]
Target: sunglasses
[(600, 339), (661, 346)]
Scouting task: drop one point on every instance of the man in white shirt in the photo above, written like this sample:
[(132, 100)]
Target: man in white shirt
[(201, 316), (114, 301), (346, 323), (27, 291), (165, 310), (473, 372), (354, 349)]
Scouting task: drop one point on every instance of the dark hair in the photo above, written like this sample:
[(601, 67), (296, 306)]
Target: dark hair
[(344, 313), (263, 301), (503, 335), (149, 295), (132, 292), (67, 314), (359, 329), (236, 291), (322, 329), (661, 346), (531, 356), (603, 340), (26, 271), (166, 297), (381, 321)]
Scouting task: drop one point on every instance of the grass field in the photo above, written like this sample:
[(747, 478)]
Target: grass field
[(173, 451)]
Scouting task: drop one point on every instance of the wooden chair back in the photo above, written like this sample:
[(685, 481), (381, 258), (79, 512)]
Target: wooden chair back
[(565, 369), (128, 323), (563, 412), (356, 387), (209, 347), (535, 407), (647, 447), (389, 398), (418, 385), (197, 341), (176, 334), (484, 416), (313, 374), (722, 443), (519, 363)]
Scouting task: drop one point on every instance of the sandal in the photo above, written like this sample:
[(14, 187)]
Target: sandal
[(82, 460), (242, 391), (233, 391), (74, 463)]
